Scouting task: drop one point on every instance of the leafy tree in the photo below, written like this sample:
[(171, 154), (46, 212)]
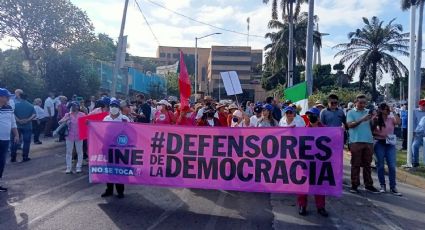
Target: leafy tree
[(173, 84), (369, 51), (40, 25), (322, 76)]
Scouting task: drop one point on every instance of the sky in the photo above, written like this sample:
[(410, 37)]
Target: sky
[(336, 17)]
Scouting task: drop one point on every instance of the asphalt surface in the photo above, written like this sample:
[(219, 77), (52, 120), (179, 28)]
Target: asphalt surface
[(42, 196)]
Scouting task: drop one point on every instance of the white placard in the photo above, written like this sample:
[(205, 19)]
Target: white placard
[(231, 83)]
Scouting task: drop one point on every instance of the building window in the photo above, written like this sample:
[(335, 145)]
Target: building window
[(162, 55), (204, 73), (231, 53), (231, 63), (175, 55), (168, 55)]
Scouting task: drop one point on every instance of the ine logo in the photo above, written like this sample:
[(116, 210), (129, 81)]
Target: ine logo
[(122, 140)]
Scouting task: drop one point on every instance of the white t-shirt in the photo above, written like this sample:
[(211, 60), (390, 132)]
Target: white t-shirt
[(120, 118), (297, 122), (7, 122), (49, 105), (253, 121), (39, 112)]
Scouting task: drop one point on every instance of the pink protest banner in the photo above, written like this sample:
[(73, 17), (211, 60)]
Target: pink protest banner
[(82, 123), (272, 160)]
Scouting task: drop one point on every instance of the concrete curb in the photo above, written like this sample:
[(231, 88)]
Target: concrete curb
[(402, 175)]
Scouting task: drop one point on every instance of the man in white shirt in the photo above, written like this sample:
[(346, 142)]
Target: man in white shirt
[(7, 124), (39, 121), (49, 109)]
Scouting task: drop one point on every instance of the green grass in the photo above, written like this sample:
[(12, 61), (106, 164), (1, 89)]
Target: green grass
[(401, 160)]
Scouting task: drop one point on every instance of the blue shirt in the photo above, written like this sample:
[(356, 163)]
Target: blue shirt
[(332, 118), (24, 110), (363, 132), (403, 116)]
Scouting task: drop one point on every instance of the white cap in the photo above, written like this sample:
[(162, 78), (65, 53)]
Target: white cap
[(237, 113), (164, 102)]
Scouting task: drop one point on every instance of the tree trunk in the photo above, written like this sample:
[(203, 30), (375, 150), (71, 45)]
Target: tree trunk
[(418, 56), (291, 45), (309, 49), (374, 93)]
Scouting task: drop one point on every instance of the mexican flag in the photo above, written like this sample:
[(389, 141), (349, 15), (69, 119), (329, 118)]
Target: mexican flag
[(184, 82), (298, 95)]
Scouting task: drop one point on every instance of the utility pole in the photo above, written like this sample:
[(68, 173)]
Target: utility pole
[(309, 50), (291, 45), (411, 91), (119, 51)]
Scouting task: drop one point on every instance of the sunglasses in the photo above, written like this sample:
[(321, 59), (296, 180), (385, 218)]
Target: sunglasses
[(334, 103)]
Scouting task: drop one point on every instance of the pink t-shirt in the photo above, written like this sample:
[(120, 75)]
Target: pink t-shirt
[(163, 118), (381, 133), (73, 133)]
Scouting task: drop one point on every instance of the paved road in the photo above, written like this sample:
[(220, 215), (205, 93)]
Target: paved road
[(42, 196)]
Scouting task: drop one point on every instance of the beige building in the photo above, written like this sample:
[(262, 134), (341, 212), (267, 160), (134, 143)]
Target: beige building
[(242, 59), (245, 61)]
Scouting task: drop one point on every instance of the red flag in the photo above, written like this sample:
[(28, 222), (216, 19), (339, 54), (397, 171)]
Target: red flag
[(82, 123), (184, 83)]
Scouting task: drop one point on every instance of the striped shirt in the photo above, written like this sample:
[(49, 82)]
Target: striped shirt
[(7, 122)]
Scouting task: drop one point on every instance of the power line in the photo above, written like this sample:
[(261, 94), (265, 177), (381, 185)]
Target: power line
[(204, 23), (146, 20)]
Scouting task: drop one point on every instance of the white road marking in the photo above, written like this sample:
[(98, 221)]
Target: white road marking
[(216, 211)]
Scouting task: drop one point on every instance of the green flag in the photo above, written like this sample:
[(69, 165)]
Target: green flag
[(297, 92)]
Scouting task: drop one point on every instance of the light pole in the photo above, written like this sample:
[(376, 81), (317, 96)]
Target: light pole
[(196, 59)]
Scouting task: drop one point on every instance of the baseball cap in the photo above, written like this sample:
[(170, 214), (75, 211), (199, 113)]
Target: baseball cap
[(106, 100), (5, 93), (258, 109), (289, 108), (314, 111), (115, 103), (268, 107)]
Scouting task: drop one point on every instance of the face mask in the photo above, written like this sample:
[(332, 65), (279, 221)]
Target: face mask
[(115, 110), (313, 118), (235, 120), (159, 107), (211, 122)]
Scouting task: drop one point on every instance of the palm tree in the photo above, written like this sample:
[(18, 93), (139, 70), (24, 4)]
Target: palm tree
[(405, 5), (288, 14), (279, 44), (370, 48)]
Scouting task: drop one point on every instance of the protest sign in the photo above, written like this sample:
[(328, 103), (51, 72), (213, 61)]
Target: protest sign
[(272, 160), (231, 83), (82, 123)]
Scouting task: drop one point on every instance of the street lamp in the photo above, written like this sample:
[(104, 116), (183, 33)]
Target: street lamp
[(196, 59)]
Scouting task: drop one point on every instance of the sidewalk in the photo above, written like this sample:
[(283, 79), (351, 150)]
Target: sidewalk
[(43, 149)]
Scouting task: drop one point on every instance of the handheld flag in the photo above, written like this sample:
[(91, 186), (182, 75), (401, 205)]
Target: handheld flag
[(298, 95), (184, 83)]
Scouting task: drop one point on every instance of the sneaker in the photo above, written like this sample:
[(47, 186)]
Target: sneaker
[(372, 189), (38, 143), (3, 189), (78, 170), (106, 194), (395, 192), (302, 211), (323, 212), (354, 189), (68, 171), (26, 159), (383, 189)]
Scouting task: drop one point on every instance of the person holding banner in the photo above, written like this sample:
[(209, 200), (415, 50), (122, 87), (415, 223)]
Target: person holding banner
[(267, 119), (385, 146), (289, 118), (115, 115), (73, 138), (163, 115), (102, 105), (184, 116), (314, 121), (258, 112)]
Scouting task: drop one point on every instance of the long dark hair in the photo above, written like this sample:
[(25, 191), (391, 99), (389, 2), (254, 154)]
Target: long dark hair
[(380, 123), (270, 118)]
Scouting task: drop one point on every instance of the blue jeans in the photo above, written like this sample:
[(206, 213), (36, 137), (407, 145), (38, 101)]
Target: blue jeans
[(26, 138), (4, 147), (386, 152), (417, 143)]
